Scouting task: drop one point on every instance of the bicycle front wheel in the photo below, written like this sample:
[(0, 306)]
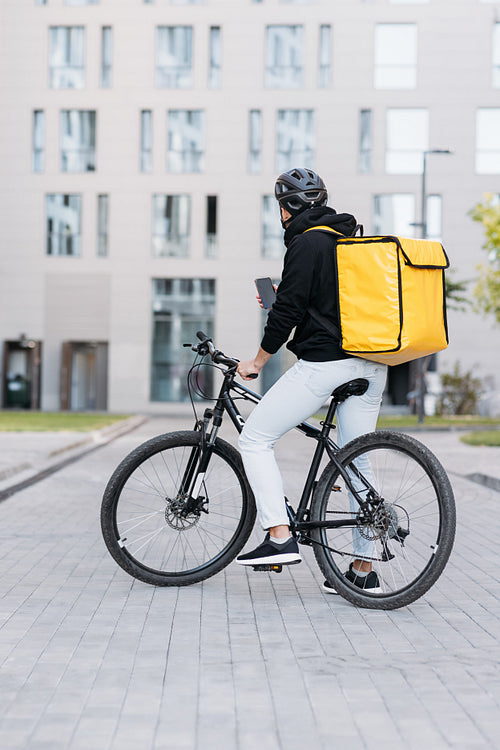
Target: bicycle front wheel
[(408, 534), (143, 517)]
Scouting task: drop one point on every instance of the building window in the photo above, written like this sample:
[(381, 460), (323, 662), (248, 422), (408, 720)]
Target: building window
[(102, 225), (40, 2), (325, 56), (284, 57), (146, 141), (171, 223), (215, 69), (211, 234), (174, 57), (433, 220), (394, 214), (395, 56), (295, 139), (255, 141), (38, 140), (407, 139), (272, 233), (106, 56), (67, 57), (63, 224), (78, 140), (180, 308), (487, 141), (186, 140), (365, 141), (496, 55)]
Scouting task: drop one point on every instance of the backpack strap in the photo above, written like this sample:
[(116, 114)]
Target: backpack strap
[(326, 324), (323, 229), (358, 227)]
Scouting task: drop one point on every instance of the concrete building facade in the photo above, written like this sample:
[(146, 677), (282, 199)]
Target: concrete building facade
[(139, 144)]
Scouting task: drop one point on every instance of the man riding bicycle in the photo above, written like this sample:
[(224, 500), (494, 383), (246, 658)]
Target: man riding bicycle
[(308, 281)]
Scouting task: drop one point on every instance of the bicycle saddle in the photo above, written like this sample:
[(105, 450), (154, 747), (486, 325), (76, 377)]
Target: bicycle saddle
[(352, 388)]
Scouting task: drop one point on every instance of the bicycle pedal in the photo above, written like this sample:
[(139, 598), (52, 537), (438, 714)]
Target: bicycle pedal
[(268, 568)]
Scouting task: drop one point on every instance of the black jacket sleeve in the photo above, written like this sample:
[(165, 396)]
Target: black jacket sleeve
[(293, 296)]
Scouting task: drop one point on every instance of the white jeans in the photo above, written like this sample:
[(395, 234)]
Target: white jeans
[(300, 392)]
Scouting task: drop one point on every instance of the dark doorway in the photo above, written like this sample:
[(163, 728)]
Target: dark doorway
[(84, 376), (21, 373)]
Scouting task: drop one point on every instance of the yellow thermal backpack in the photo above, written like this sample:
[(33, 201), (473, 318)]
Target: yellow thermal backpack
[(391, 297)]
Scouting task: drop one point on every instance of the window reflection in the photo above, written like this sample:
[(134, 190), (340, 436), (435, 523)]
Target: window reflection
[(325, 56), (67, 57), (146, 141), (171, 225), (186, 140), (38, 140), (272, 232), (78, 140), (496, 55), (106, 56), (102, 225), (215, 68), (395, 56), (181, 307), (365, 141), (487, 141), (255, 141), (174, 53), (407, 139), (63, 224), (434, 218), (394, 213), (284, 57), (295, 139)]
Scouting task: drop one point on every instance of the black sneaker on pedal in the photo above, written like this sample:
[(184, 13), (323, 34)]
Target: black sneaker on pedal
[(369, 583), (271, 553)]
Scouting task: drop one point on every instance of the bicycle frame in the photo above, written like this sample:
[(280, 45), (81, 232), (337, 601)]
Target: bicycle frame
[(299, 518)]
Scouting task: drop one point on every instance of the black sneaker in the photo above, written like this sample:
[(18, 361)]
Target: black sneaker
[(370, 583), (270, 553)]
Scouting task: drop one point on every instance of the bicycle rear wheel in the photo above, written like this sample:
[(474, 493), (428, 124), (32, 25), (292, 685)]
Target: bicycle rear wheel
[(407, 537), (142, 518)]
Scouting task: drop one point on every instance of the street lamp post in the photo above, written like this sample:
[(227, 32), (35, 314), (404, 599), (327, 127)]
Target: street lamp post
[(423, 231)]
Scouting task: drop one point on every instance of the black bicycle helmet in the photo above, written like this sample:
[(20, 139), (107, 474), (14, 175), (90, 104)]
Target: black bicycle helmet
[(299, 189)]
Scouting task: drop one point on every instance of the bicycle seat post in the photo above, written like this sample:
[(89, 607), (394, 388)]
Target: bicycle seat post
[(327, 423)]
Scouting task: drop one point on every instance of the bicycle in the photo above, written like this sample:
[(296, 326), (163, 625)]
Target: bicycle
[(178, 508)]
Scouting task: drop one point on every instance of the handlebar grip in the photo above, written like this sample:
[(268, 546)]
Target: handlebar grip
[(202, 336), (253, 375)]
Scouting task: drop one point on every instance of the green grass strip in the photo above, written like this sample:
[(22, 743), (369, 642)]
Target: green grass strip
[(33, 421), (482, 437)]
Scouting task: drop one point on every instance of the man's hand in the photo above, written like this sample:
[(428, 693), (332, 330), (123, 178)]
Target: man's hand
[(246, 369), (253, 366)]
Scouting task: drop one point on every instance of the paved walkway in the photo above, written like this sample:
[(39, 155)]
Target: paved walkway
[(91, 659)]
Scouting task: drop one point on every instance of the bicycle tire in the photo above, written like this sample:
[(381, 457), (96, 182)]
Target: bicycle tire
[(141, 502), (417, 498)]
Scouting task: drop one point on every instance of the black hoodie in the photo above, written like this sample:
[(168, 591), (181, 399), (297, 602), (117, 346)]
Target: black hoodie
[(308, 280)]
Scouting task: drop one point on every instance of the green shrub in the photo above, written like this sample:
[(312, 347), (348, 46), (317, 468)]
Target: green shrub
[(460, 393)]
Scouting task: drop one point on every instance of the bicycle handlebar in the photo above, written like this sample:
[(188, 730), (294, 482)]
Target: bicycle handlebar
[(206, 346)]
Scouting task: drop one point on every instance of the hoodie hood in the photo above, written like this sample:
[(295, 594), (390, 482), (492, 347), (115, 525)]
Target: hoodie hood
[(320, 216)]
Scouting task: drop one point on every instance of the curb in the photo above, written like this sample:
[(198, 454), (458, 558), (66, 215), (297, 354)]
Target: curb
[(96, 439), (491, 482)]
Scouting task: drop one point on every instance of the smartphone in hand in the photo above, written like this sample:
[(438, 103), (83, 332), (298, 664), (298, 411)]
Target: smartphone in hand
[(265, 288)]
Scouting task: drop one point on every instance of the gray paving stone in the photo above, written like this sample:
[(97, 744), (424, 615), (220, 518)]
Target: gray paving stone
[(90, 658)]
